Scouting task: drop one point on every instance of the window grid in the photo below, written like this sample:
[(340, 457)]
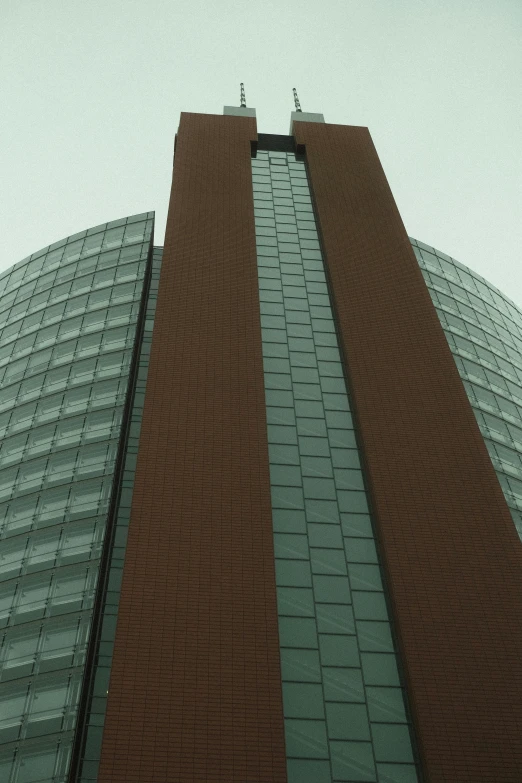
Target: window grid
[(484, 333), (343, 703), (67, 330)]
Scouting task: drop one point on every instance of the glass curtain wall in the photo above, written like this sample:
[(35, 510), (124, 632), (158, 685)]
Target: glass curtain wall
[(68, 319), (344, 708), (484, 331)]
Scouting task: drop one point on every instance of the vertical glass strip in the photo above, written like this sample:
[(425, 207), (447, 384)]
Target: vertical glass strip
[(344, 707)]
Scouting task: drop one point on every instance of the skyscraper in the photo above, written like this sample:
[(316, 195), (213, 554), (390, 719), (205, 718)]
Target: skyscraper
[(260, 488)]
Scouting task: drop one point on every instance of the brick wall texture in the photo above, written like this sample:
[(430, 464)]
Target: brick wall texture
[(195, 691), (452, 557)]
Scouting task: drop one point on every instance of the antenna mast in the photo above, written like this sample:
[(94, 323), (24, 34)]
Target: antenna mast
[(296, 100), (243, 99)]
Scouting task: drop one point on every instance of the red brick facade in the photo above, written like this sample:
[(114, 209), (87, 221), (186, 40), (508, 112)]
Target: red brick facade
[(195, 691), (452, 556)]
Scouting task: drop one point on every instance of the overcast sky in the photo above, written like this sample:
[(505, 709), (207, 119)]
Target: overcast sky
[(91, 92)]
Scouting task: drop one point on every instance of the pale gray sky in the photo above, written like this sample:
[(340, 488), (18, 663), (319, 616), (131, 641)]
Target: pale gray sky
[(91, 93)]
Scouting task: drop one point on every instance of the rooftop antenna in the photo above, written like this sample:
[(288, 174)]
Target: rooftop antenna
[(243, 99), (296, 100)]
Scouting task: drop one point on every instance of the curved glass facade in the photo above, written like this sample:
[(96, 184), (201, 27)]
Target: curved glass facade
[(484, 331), (68, 317)]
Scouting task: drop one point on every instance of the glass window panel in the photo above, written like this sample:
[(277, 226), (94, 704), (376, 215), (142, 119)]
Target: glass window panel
[(306, 739), (339, 420), (353, 502), (21, 513), (301, 344), (42, 549), (69, 432), (61, 466), (369, 605), (20, 648), (85, 497), (316, 466), (282, 435), (295, 601), (53, 504), (307, 391), (321, 488), (374, 636), (272, 308), (327, 561), (344, 685), (347, 721), (327, 536), (13, 447), (13, 704), (333, 385), (268, 272), (332, 589), (309, 426), (287, 497), (33, 595), (48, 699), (352, 760), (79, 539), (363, 576), (386, 704), (7, 481), (337, 650), (391, 742), (335, 618), (11, 556), (297, 632), (287, 520), (360, 550), (337, 402), (302, 700), (302, 330), (283, 454), (7, 594), (305, 375), (293, 573), (298, 665), (276, 364), (328, 327), (69, 587), (59, 641), (278, 381), (274, 335), (135, 232), (285, 475), (36, 766), (293, 305), (325, 511), (22, 417), (397, 773), (298, 359), (309, 408)]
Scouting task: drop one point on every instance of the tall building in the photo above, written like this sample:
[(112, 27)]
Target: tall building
[(260, 488)]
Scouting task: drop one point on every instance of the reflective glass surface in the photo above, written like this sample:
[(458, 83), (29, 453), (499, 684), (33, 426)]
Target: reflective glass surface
[(67, 331), (344, 710), (484, 331)]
